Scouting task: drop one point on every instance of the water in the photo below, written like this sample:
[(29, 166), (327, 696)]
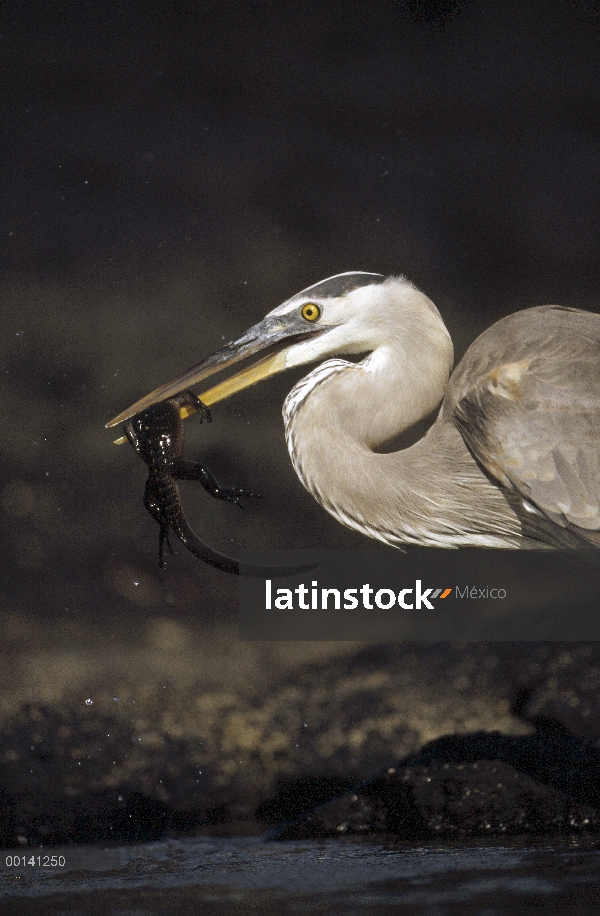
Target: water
[(229, 876)]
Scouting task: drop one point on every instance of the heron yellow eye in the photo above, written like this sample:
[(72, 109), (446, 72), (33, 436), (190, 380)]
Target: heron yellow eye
[(310, 311)]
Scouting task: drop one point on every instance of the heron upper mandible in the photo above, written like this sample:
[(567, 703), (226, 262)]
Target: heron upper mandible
[(513, 458)]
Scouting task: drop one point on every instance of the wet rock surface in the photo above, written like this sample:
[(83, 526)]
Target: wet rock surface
[(424, 741)]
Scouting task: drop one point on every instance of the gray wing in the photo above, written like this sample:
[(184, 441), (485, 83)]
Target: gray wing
[(526, 399)]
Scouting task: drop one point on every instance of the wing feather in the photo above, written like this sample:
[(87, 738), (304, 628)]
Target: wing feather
[(526, 399)]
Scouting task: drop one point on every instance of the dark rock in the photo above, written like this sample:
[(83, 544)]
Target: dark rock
[(295, 796), (486, 784), (559, 761)]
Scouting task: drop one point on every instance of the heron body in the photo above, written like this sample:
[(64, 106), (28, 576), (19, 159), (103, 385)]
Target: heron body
[(513, 457)]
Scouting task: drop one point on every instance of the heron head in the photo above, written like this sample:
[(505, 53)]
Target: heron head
[(354, 312)]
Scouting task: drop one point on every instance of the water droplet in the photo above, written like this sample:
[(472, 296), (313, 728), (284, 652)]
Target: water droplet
[(89, 702)]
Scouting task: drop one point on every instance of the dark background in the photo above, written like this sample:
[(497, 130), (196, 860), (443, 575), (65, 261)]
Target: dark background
[(172, 171)]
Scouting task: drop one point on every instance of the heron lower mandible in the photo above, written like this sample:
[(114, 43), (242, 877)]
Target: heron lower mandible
[(513, 458)]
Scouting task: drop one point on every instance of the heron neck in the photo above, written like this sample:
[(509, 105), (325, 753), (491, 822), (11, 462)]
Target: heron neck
[(373, 401), (430, 493)]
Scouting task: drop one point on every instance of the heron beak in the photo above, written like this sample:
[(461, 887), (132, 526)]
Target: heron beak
[(272, 330)]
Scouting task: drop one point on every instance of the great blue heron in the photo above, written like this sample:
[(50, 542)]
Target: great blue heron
[(513, 458)]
